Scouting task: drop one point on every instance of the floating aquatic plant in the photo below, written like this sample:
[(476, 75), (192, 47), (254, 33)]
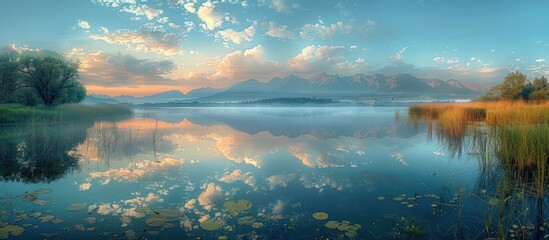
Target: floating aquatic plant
[(46, 218), (12, 230), (212, 224), (43, 191), (235, 207), (144, 210), (80, 227), (155, 222), (168, 214), (77, 206), (320, 215), (29, 197), (257, 225), (380, 198), (350, 230), (247, 220)]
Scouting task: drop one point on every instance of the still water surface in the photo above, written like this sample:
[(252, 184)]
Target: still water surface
[(163, 172)]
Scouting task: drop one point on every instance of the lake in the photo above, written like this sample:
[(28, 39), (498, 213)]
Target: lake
[(243, 173)]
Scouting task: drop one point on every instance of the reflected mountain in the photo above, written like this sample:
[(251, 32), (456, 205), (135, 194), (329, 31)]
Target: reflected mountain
[(294, 122)]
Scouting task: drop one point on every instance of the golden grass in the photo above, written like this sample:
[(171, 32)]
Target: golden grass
[(519, 131), (493, 113)]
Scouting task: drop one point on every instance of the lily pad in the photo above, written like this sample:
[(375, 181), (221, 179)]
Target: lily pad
[(332, 224), (29, 197), (247, 220), (77, 206), (380, 198), (212, 224), (36, 214), (12, 230), (168, 214), (237, 206), (90, 219), (56, 221), (46, 218), (144, 210), (79, 227), (257, 225), (320, 215), (155, 222), (351, 233), (39, 202), (43, 191), (130, 234)]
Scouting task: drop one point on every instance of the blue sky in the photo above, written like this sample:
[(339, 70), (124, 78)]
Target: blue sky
[(140, 47)]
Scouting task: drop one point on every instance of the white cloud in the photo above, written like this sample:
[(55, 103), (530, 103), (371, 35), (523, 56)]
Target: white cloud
[(280, 5), (316, 59), (211, 194), (237, 37), (138, 170), (398, 56), (142, 10), (190, 204), (211, 18), (85, 186), (237, 175), (106, 209), (311, 32), (540, 60), (143, 41), (115, 70), (189, 7), (143, 201), (84, 24), (329, 32), (250, 63), (278, 207), (279, 31)]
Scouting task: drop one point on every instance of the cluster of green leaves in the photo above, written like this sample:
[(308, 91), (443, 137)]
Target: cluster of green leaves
[(38, 78), (516, 87)]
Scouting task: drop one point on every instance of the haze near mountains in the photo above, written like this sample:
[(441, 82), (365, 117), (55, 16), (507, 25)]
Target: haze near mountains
[(322, 85)]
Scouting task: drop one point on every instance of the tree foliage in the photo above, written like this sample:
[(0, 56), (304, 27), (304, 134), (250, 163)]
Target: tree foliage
[(516, 87), (39, 77)]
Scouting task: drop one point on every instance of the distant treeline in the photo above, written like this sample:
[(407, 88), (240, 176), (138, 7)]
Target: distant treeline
[(289, 100)]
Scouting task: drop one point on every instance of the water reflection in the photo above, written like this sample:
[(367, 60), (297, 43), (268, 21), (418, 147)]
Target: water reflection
[(40, 153), (171, 172)]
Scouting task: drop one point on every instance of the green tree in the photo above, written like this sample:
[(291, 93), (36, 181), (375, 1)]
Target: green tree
[(52, 78), (540, 83), (542, 94), (512, 86), (8, 75)]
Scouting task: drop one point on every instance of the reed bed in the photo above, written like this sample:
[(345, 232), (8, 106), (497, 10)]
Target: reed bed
[(518, 131)]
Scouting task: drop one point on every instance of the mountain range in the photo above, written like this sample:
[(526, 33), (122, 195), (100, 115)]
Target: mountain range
[(322, 85)]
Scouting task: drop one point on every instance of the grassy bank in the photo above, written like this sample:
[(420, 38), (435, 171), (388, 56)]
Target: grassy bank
[(12, 113)]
